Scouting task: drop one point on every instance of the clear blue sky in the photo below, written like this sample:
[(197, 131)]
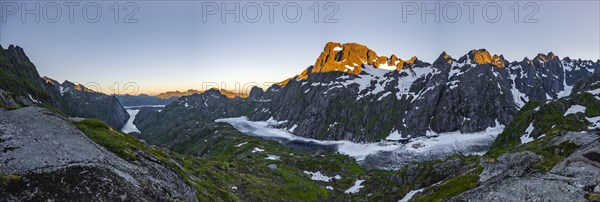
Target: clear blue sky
[(171, 48)]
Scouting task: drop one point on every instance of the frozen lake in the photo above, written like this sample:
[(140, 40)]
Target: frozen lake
[(381, 155)]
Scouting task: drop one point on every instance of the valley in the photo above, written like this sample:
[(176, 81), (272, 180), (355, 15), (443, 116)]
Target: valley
[(354, 126)]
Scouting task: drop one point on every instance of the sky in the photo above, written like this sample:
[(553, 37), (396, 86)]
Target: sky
[(156, 46)]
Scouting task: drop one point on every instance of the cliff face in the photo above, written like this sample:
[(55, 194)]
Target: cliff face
[(469, 94), (20, 77), (351, 93), (22, 86), (78, 101), (55, 161)]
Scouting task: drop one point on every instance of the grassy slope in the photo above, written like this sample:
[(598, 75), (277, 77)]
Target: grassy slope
[(225, 166)]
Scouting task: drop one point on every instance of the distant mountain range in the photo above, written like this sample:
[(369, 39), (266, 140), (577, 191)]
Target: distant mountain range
[(168, 97)]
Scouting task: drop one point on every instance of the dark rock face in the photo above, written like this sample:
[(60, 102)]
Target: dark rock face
[(475, 98), (255, 93), (449, 95), (588, 84), (20, 77), (507, 165), (78, 101), (9, 99), (57, 162)]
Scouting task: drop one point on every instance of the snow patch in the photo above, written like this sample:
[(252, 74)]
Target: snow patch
[(356, 188), (63, 90), (348, 67), (386, 67), (594, 92), (526, 138), (293, 128), (595, 122), (256, 149), (575, 109), (337, 48), (273, 157), (383, 96), (318, 176), (412, 193), (241, 144), (34, 100), (394, 135)]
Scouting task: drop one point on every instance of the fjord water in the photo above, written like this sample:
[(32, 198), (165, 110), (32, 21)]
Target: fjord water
[(133, 111)]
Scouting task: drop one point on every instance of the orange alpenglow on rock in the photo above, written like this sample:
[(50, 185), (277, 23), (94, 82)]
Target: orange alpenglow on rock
[(344, 58), (232, 94), (285, 82), (482, 56), (349, 58), (444, 58), (80, 87)]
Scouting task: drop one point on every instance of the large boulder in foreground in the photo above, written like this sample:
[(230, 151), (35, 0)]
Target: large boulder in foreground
[(44, 157)]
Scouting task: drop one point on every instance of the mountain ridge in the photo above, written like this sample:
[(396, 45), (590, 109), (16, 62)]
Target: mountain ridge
[(367, 103), (22, 86), (330, 60)]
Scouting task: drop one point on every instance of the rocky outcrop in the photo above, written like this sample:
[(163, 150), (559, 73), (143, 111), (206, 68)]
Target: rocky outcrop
[(11, 100), (78, 101), (344, 58), (507, 165), (20, 77), (482, 57), (349, 58), (55, 161), (255, 92), (587, 85), (511, 179)]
